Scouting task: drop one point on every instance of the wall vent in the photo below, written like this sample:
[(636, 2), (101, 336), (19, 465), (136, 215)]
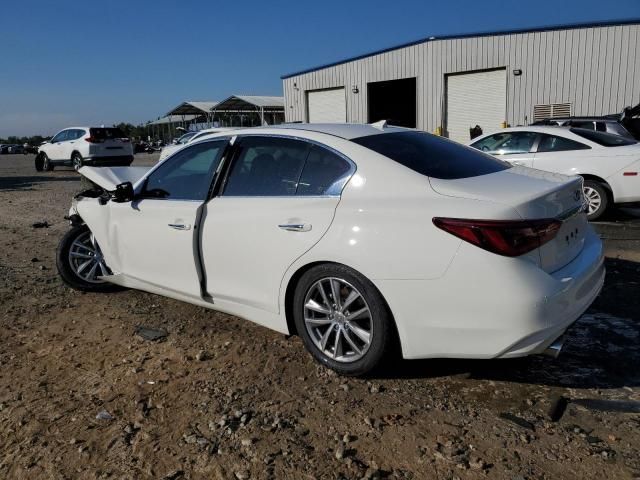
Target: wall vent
[(552, 110)]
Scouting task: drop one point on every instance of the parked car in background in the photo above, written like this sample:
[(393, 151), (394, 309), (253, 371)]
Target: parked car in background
[(27, 148), (78, 146), (355, 237), (609, 164), (4, 148), (15, 149), (187, 138), (625, 124)]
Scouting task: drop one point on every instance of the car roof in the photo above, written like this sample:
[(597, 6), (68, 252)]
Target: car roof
[(550, 129), (347, 131)]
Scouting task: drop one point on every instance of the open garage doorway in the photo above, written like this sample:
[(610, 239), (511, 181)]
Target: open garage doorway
[(393, 101)]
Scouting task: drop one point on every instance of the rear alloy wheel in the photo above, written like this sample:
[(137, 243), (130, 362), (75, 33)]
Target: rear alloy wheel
[(76, 161), (80, 262), (342, 318), (597, 199)]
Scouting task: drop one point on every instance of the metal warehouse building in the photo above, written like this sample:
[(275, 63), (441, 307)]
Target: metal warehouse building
[(450, 84)]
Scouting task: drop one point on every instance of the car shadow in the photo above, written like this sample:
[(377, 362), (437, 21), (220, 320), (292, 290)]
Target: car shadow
[(27, 183), (600, 351)]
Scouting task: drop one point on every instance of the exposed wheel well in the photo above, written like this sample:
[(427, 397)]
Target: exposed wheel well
[(290, 292), (74, 152), (602, 181)]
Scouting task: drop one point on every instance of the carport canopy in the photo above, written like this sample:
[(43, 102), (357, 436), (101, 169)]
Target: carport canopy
[(250, 103), (193, 108), (174, 119), (253, 105)]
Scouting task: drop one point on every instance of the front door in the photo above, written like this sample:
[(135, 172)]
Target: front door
[(277, 202), (155, 236), (55, 150)]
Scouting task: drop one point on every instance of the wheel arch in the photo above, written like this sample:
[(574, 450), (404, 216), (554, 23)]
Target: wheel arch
[(602, 181), (293, 282)]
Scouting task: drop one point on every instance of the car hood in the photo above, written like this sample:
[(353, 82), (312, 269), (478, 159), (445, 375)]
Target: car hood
[(109, 177)]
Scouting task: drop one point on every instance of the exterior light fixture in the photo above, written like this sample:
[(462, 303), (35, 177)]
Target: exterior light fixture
[(354, 89), (517, 72)]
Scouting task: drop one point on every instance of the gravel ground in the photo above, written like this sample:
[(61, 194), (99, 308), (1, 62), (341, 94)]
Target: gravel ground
[(83, 396)]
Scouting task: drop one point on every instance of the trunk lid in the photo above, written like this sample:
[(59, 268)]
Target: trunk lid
[(533, 194)]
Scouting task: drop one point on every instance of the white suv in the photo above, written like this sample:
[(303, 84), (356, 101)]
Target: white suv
[(78, 146)]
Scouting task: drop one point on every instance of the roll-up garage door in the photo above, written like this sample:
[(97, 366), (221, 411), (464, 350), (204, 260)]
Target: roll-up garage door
[(478, 98), (327, 106)]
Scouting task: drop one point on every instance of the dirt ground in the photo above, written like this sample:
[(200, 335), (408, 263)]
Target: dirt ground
[(82, 396)]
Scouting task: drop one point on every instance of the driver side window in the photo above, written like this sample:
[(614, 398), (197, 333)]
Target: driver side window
[(186, 175)]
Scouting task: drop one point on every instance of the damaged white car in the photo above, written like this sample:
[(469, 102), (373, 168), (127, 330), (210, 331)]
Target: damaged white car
[(355, 237)]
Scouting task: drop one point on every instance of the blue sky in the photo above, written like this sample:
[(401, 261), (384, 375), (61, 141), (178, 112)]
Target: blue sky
[(65, 63)]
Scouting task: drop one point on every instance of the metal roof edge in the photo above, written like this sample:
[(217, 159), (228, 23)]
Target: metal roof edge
[(549, 28)]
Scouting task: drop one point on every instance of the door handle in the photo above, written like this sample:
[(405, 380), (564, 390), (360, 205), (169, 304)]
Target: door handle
[(296, 227), (180, 226), (516, 162)]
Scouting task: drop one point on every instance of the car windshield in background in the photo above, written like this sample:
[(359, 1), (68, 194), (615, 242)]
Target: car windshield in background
[(106, 133), (601, 138), (432, 156), (185, 138)]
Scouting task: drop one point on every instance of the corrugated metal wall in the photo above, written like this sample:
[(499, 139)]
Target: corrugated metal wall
[(595, 69)]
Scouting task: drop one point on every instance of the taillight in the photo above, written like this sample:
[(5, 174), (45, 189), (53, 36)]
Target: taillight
[(510, 238), (93, 140)]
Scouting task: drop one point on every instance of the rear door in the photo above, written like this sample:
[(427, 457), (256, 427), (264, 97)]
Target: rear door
[(278, 200), (155, 235), (514, 147), (559, 154)]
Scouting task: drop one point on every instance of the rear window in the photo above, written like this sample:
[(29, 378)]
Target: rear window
[(604, 139), (106, 133), (432, 156)]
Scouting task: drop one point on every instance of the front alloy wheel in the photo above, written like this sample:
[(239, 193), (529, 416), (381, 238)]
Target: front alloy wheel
[(80, 262), (342, 318)]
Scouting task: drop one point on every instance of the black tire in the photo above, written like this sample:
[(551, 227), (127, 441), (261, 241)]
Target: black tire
[(76, 161), (381, 321), (66, 270), (596, 192), (39, 163), (46, 163)]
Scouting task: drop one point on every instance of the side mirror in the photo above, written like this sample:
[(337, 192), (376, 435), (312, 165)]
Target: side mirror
[(123, 193)]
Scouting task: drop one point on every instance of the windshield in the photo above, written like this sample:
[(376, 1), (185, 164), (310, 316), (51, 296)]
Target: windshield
[(431, 155), (601, 138)]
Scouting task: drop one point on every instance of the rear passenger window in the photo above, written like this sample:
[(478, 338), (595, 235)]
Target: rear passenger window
[(325, 173), (551, 143), (587, 124), (266, 166)]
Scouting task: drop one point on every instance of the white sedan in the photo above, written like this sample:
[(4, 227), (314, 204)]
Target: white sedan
[(355, 237), (609, 164)]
